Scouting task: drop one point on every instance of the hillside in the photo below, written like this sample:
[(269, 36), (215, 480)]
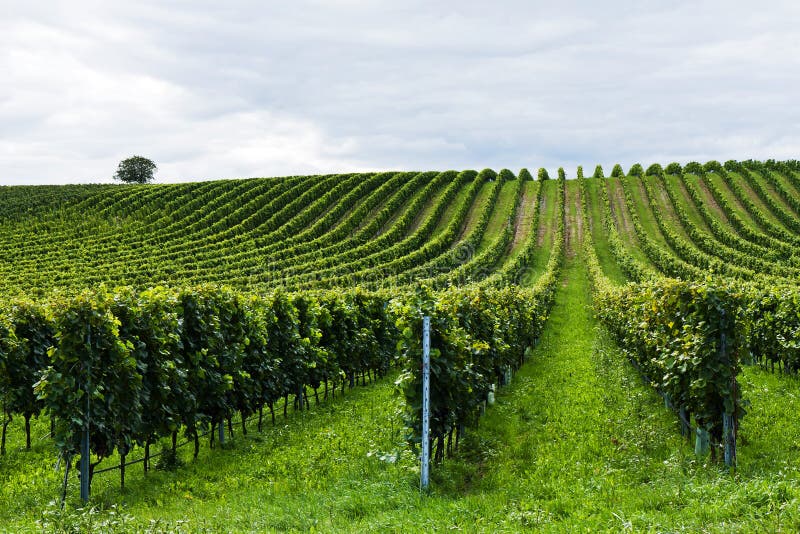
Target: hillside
[(188, 308), (296, 232)]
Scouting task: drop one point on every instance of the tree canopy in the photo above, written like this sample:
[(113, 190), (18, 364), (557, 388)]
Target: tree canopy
[(135, 170)]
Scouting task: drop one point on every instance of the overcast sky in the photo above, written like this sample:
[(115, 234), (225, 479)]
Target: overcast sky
[(213, 89)]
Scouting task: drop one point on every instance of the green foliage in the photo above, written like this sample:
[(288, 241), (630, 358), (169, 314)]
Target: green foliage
[(543, 174), (506, 175), (617, 171), (486, 175), (694, 167), (477, 337), (655, 170), (561, 174), (135, 170), (306, 257), (580, 171), (683, 337), (772, 326), (150, 324), (675, 330), (88, 519), (713, 166), (8, 386), (756, 174), (24, 343), (636, 170), (168, 460), (93, 380), (598, 172), (733, 166)]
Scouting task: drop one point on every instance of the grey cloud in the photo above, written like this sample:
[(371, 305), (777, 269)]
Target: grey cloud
[(211, 89)]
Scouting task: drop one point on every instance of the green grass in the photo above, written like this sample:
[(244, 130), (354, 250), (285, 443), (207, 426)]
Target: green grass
[(525, 230), (578, 443), (596, 210), (427, 209), (753, 196), (708, 199), (629, 239), (787, 184), (474, 212), (773, 193), (544, 234), (323, 467), (499, 218), (684, 201), (575, 443), (719, 182), (665, 208), (642, 209), (448, 213)]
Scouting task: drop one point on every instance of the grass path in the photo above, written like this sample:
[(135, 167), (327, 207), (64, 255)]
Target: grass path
[(499, 218), (577, 443), (599, 236), (548, 204)]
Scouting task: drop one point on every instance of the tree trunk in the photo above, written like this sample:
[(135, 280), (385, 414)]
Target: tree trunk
[(122, 471), (146, 462), (450, 444), (91, 473), (6, 422), (66, 479), (27, 431)]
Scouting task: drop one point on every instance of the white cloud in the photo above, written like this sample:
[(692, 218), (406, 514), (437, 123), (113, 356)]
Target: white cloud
[(210, 89)]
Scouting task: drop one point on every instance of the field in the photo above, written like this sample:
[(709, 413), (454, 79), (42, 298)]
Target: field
[(636, 336)]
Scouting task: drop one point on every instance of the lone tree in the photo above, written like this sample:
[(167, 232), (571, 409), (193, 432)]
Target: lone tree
[(135, 170)]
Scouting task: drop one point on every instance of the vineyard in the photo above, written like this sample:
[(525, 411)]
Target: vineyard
[(638, 333)]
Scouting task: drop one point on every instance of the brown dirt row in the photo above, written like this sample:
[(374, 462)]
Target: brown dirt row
[(543, 225), (711, 202), (524, 223), (619, 210)]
